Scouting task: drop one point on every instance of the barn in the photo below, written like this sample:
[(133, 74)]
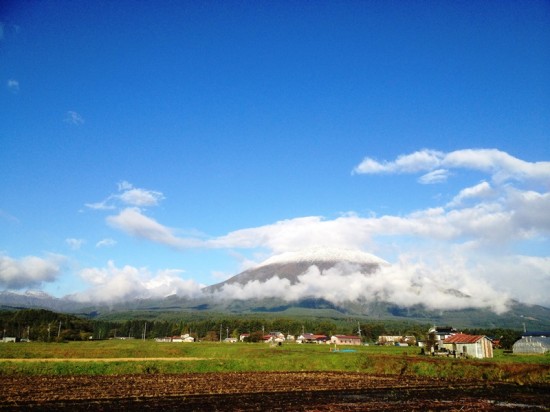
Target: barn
[(469, 346)]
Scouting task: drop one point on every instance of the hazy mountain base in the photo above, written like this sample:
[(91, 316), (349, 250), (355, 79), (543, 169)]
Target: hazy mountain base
[(519, 316)]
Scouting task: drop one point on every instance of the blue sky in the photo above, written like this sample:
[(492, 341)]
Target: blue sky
[(149, 148)]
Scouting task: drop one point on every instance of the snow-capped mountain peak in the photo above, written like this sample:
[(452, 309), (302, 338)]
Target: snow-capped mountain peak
[(325, 254)]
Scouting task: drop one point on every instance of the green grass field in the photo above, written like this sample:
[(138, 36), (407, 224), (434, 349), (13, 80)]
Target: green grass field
[(138, 356)]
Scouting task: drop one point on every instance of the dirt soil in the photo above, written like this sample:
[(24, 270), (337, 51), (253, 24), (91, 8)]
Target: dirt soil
[(285, 391)]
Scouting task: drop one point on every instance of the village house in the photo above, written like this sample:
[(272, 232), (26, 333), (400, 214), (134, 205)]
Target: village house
[(390, 340), (345, 340), (437, 335), (469, 346), (311, 338), (173, 339), (533, 343), (244, 336), (277, 336), (274, 337)]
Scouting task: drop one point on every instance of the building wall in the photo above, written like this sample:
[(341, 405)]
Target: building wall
[(483, 348), (345, 341)]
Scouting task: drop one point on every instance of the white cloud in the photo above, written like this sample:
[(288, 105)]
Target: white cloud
[(448, 286), (502, 166), (296, 234), (73, 117), (29, 271), (482, 220), (106, 243), (13, 85), (419, 161), (517, 216), (482, 190), (129, 196), (141, 197), (103, 205), (525, 278), (134, 223), (75, 244), (124, 185), (112, 284), (435, 176), (530, 211)]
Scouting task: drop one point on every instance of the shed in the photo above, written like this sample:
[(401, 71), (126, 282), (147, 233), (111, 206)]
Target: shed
[(534, 342), (473, 346)]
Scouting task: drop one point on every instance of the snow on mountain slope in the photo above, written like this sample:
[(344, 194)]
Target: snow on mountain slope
[(292, 265)]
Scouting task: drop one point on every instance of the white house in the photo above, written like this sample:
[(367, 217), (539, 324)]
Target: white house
[(437, 335)]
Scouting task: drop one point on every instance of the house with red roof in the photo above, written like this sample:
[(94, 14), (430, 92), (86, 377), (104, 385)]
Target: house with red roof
[(311, 338), (469, 346)]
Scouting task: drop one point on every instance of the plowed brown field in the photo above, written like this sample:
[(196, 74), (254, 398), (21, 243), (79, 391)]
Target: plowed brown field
[(286, 391)]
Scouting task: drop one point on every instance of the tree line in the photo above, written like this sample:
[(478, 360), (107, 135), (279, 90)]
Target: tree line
[(47, 326)]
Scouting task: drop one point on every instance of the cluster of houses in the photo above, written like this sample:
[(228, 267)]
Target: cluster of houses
[(440, 341), (279, 337), (448, 340), (181, 338)]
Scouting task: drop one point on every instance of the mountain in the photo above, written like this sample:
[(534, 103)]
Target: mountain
[(269, 289), (293, 264), (34, 299)]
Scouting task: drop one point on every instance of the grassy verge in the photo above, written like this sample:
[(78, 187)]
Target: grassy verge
[(105, 358)]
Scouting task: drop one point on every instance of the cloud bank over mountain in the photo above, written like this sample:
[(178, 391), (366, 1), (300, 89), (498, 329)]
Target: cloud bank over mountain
[(404, 284), (488, 240)]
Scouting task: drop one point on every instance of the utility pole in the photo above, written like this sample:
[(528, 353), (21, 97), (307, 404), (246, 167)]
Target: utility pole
[(221, 332), (59, 330)]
